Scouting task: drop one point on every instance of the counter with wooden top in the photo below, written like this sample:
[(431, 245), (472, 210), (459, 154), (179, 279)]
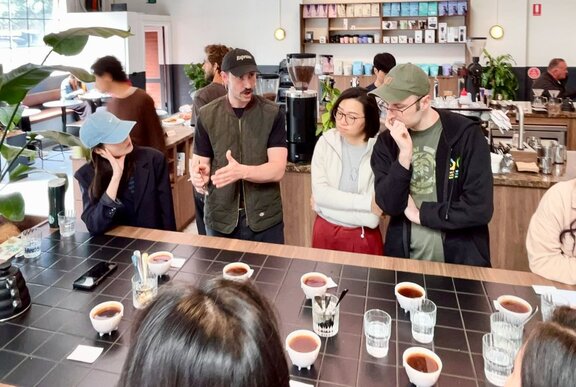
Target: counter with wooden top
[(564, 119), (329, 256)]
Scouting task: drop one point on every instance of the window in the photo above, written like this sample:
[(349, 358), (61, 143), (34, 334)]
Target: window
[(23, 23)]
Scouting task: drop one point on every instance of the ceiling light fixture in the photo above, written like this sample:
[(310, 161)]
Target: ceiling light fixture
[(497, 31), (280, 33)]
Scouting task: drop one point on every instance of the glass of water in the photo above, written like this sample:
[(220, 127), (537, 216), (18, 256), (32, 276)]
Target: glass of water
[(67, 223), (502, 328), (423, 320), (377, 329), (498, 356), (32, 242)]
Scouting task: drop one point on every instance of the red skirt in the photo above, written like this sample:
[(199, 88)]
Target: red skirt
[(355, 240)]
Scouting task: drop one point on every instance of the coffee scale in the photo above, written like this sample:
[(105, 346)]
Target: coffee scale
[(301, 108)]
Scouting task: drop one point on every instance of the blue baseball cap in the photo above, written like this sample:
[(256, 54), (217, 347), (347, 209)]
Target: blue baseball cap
[(104, 127)]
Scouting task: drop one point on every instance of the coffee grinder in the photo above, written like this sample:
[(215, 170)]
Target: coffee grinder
[(474, 69), (301, 108)]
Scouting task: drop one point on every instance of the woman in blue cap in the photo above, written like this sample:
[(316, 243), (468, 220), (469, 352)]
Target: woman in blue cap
[(124, 184)]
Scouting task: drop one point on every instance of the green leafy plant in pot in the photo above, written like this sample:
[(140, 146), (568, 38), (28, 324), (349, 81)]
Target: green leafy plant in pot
[(14, 86), (498, 76), (329, 95), (195, 72)]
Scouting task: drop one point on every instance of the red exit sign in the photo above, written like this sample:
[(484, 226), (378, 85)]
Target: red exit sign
[(536, 9)]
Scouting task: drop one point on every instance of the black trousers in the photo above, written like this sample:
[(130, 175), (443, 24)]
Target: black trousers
[(199, 204), (274, 234)]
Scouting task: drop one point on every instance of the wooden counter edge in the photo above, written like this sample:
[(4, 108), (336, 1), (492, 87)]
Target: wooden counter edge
[(363, 260)]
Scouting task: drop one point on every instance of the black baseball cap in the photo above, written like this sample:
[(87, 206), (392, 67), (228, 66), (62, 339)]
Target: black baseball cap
[(239, 62)]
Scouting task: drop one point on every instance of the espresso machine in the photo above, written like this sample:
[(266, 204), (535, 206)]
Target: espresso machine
[(301, 108), (474, 69)]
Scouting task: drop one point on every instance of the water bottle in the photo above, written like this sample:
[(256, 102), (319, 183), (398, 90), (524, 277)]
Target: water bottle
[(56, 195)]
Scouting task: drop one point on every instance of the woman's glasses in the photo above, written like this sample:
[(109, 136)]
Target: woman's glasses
[(348, 118)]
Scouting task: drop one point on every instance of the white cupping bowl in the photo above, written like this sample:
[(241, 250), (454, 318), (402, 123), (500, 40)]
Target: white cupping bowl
[(303, 359)]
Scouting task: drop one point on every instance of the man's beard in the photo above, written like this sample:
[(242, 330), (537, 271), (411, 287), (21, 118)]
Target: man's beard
[(209, 76)]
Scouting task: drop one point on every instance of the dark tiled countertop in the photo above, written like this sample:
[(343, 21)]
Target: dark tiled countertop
[(34, 346)]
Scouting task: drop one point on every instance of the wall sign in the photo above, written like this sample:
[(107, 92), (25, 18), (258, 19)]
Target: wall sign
[(533, 73), (536, 9)]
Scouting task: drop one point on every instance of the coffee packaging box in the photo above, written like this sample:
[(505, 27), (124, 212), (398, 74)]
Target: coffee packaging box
[(404, 9), (403, 24), (452, 8), (366, 9), (322, 10), (423, 8), (385, 39), (306, 11), (452, 34), (386, 9), (350, 10), (430, 36), (462, 8), (395, 9), (412, 24), (432, 22), (443, 8), (403, 39), (332, 10), (414, 7), (418, 36), (432, 8), (462, 34), (394, 39), (442, 32), (374, 10), (422, 24), (341, 10)]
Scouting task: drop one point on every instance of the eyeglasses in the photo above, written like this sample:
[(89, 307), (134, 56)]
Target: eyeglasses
[(348, 118), (383, 105)]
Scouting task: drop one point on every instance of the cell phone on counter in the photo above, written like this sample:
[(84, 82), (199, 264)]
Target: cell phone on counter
[(91, 279)]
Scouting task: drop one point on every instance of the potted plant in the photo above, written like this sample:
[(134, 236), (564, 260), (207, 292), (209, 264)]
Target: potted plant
[(498, 76), (195, 72), (329, 95), (14, 86)]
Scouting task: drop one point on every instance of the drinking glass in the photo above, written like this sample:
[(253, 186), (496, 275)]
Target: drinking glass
[(326, 316), (502, 328), (423, 320), (377, 329), (547, 306), (32, 242), (67, 223), (144, 291), (498, 356)]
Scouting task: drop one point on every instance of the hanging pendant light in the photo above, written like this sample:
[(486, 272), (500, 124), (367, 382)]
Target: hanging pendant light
[(497, 31), (280, 33)]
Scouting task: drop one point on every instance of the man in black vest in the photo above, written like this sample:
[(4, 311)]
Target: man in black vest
[(240, 157)]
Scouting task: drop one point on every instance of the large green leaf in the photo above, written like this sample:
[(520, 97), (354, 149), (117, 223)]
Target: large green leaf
[(6, 113), (19, 81), (79, 73), (10, 152), (12, 206), (20, 172), (72, 41)]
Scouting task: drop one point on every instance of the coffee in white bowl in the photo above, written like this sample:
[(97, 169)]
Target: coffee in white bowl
[(314, 284), (303, 347), (106, 316), (237, 271), (422, 366), (409, 295), (516, 309), (159, 263)]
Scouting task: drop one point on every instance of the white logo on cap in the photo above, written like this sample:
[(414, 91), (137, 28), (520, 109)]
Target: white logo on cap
[(242, 57)]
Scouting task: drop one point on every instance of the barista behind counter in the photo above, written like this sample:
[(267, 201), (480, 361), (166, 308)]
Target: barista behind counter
[(555, 78)]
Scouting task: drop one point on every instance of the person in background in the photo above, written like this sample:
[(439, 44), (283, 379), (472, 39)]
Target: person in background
[(129, 103), (70, 88), (432, 175), (383, 63), (342, 180), (240, 157), (223, 333), (548, 357), (124, 184), (555, 78), (551, 237), (212, 67)]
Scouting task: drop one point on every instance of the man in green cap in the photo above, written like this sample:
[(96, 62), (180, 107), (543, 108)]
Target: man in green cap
[(432, 175)]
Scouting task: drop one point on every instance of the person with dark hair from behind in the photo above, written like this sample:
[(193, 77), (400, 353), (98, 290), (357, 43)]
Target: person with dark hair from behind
[(124, 184), (555, 78), (548, 358), (221, 334), (212, 67), (342, 180), (129, 103), (383, 63), (551, 237)]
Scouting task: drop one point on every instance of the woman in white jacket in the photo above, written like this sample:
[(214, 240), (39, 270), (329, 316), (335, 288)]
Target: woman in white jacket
[(342, 180)]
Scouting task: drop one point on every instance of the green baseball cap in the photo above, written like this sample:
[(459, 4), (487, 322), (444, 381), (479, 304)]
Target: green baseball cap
[(401, 82)]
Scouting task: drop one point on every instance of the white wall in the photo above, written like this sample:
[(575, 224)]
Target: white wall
[(250, 24)]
